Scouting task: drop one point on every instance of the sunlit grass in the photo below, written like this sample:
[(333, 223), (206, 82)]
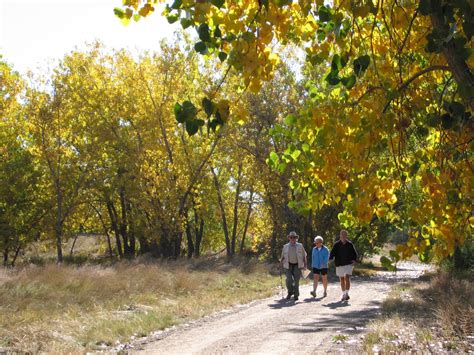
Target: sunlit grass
[(68, 308), (418, 316)]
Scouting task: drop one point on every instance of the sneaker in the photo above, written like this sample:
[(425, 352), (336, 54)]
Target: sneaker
[(296, 298), (325, 294), (347, 297), (343, 298), (313, 293), (288, 296)]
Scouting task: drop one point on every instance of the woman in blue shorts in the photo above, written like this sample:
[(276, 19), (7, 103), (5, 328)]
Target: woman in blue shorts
[(319, 263)]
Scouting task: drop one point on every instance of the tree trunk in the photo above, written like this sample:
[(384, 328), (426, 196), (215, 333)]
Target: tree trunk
[(73, 244), (106, 229), (5, 256), (114, 223), (123, 223), (144, 246), (223, 217), (17, 252), (199, 236), (247, 220), (275, 227), (236, 210), (461, 72), (189, 238), (58, 230)]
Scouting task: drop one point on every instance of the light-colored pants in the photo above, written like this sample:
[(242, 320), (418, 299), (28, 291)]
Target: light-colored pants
[(293, 275)]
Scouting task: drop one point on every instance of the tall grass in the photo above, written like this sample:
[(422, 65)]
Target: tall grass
[(436, 315), (69, 308)]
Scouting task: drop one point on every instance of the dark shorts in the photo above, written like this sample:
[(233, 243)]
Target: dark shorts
[(323, 271)]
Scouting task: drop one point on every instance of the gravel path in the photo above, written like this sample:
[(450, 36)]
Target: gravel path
[(278, 326)]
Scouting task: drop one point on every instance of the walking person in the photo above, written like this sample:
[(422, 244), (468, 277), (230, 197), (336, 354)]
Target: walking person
[(345, 256), (319, 263), (293, 259)]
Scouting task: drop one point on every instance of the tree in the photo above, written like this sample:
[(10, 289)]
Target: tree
[(21, 205), (397, 99)]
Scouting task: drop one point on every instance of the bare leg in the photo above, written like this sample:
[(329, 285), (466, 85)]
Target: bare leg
[(343, 283), (325, 282), (348, 282), (315, 281)]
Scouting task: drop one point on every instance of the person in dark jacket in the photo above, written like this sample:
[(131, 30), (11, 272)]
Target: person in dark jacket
[(345, 256)]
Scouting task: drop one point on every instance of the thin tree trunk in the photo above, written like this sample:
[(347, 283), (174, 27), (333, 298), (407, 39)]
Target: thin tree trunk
[(223, 217), (106, 229), (17, 252), (73, 244), (5, 256), (236, 210), (247, 220), (458, 66), (199, 236), (189, 238), (59, 222), (113, 221)]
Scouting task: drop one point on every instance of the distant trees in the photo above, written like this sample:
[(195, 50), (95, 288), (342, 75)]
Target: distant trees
[(94, 146)]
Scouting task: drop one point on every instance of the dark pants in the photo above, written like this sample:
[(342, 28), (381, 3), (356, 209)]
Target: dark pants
[(293, 275)]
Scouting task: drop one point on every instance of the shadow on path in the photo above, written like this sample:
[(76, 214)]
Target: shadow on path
[(352, 321), (282, 303)]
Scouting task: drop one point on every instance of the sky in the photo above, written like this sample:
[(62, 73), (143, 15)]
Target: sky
[(34, 32)]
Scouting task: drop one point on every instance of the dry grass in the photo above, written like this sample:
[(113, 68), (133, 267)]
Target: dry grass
[(67, 308), (435, 315)]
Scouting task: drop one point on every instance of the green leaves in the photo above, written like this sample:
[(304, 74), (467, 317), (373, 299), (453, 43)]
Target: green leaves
[(333, 78), (324, 14), (203, 32), (218, 3), (337, 64), (172, 18), (208, 107), (193, 126), (185, 23), (200, 47), (388, 264), (222, 56), (349, 81), (361, 64), (185, 112), (290, 120), (177, 4)]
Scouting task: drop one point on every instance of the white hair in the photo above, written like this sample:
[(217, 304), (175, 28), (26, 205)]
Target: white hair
[(318, 238)]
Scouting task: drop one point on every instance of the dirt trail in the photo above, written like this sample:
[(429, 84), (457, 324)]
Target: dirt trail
[(277, 326)]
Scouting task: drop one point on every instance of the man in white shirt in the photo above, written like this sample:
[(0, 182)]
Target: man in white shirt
[(293, 259)]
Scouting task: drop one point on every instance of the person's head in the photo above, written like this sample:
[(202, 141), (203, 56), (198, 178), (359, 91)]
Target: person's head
[(292, 237), (343, 236), (318, 241)]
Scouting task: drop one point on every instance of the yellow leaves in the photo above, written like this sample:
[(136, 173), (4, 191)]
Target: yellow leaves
[(361, 11), (400, 18), (223, 107), (470, 60), (381, 211)]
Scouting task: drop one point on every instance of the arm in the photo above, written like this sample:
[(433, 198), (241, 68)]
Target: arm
[(305, 259), (333, 252), (355, 256), (327, 256)]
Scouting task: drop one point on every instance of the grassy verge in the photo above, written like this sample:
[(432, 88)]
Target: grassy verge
[(434, 315), (67, 308)]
